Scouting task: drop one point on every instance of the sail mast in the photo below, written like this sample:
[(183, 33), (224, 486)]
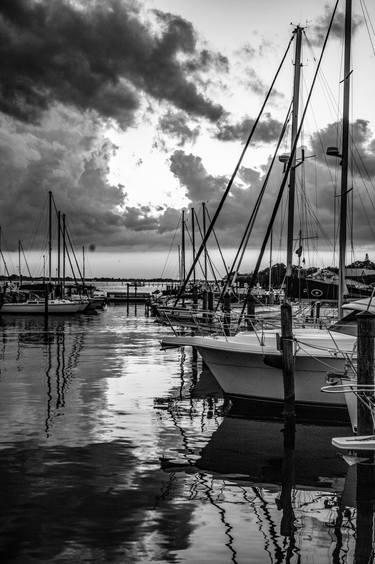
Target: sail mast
[(49, 236), (292, 175), (344, 156)]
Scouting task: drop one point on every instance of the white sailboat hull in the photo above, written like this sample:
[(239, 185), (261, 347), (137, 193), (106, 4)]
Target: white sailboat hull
[(245, 374), (36, 307), (248, 366)]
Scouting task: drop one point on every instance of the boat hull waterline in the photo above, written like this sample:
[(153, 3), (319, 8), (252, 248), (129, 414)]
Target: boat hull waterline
[(247, 371), (38, 307)]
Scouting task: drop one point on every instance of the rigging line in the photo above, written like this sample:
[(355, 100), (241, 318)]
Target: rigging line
[(208, 257), (74, 254), (365, 213), (229, 185), (191, 241), (288, 167), (364, 168), (369, 17), (217, 242), (170, 247), (314, 216), (325, 84), (200, 233), (25, 259), (5, 264), (367, 27), (250, 225)]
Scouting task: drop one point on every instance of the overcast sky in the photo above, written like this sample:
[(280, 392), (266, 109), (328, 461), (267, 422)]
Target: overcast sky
[(132, 111)]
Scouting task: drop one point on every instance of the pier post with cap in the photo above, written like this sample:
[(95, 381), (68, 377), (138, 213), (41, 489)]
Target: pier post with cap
[(365, 368)]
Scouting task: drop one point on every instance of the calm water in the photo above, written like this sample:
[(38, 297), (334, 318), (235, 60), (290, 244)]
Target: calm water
[(115, 451)]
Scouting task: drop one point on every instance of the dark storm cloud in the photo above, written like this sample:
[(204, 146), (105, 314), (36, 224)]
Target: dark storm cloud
[(268, 130), (362, 143), (201, 186), (140, 219), (176, 124), (96, 56), (192, 175), (317, 31), (68, 156)]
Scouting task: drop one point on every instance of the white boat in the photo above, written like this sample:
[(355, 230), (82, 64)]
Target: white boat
[(354, 443), (248, 366), (36, 306)]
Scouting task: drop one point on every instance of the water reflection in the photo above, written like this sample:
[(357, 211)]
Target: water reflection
[(113, 450)]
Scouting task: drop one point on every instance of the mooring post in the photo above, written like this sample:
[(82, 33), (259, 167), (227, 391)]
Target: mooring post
[(288, 360), (195, 297), (250, 312), (226, 310), (204, 303), (210, 305), (312, 308), (317, 310), (365, 368)]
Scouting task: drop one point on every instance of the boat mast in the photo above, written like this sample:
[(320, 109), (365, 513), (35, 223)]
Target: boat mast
[(183, 269), (83, 267), (344, 156), (19, 262), (204, 240), (193, 242), (49, 236), (63, 254), (292, 174), (58, 248)]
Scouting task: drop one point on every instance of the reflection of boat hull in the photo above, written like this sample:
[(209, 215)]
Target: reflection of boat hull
[(255, 449), (247, 370), (35, 307), (245, 376)]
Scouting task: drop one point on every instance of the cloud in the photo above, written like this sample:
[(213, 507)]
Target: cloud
[(318, 29), (361, 141), (97, 56), (68, 155), (268, 130), (176, 124), (140, 219)]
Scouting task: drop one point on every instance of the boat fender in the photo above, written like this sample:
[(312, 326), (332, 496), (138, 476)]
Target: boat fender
[(276, 361)]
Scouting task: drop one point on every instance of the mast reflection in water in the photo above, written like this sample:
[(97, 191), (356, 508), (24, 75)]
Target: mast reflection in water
[(115, 451)]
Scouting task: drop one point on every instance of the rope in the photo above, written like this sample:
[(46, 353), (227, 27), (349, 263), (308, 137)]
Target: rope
[(226, 192), (290, 161)]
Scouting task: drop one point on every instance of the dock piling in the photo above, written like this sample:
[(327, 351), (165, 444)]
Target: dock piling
[(365, 368), (288, 360)]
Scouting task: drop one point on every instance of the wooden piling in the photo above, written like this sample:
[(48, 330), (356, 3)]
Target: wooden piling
[(204, 303), (227, 310), (210, 305), (365, 368), (250, 312), (317, 310), (195, 297), (288, 360)]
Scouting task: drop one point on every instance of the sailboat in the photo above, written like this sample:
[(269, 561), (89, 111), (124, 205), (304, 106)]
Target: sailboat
[(248, 365)]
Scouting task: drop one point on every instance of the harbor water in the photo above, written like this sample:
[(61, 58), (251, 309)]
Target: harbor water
[(113, 450)]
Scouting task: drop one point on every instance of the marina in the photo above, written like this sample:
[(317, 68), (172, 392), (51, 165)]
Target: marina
[(187, 284), (115, 450)]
